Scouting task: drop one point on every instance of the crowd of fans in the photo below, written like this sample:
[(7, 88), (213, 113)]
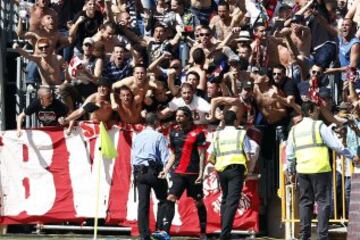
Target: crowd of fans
[(115, 60)]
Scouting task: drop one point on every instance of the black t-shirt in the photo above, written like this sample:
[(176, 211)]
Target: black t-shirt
[(87, 28), (47, 116), (185, 145), (289, 88)]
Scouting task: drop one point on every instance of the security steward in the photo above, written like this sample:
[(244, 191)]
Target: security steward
[(230, 152), (149, 154), (308, 156)]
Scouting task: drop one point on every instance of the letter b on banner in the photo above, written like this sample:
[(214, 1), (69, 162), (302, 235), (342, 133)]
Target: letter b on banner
[(27, 184)]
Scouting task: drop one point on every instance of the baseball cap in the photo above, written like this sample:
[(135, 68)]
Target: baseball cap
[(88, 40), (105, 81), (248, 85)]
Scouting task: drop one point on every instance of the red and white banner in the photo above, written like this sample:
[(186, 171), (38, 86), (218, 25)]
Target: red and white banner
[(47, 176)]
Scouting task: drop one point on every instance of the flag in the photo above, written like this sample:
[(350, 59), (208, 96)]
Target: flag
[(108, 149)]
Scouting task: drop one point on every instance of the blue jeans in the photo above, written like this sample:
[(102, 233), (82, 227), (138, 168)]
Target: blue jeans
[(183, 53), (32, 73), (67, 51)]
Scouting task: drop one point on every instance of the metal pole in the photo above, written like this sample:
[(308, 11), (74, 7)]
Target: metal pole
[(2, 64)]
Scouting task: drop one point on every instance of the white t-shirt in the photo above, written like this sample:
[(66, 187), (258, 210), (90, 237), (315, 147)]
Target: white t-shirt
[(198, 106)]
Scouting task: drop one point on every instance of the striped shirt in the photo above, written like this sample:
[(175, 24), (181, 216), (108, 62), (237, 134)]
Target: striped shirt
[(115, 73)]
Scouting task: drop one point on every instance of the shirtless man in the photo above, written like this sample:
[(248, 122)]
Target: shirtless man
[(104, 38), (139, 85), (51, 66), (155, 45), (128, 109), (212, 49), (40, 8), (49, 30), (268, 104), (97, 105), (300, 35), (221, 23), (243, 105), (268, 51)]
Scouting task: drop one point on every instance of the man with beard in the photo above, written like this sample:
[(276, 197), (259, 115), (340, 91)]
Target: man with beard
[(48, 110), (221, 23), (187, 144), (197, 105), (97, 105), (51, 66), (285, 84)]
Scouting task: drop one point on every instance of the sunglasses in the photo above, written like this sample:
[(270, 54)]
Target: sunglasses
[(43, 47), (88, 45), (175, 67), (205, 34), (315, 72)]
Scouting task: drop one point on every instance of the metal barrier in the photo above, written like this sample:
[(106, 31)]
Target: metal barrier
[(289, 204)]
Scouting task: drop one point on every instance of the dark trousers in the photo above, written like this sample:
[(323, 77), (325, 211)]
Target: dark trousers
[(231, 181), (147, 179), (314, 187)]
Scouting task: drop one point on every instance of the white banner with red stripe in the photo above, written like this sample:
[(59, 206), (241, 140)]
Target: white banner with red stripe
[(47, 176)]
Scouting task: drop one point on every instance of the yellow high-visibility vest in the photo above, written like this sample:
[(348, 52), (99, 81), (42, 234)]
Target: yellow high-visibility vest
[(311, 153), (229, 149)]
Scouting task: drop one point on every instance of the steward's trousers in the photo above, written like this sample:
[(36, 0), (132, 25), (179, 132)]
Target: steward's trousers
[(146, 178), (314, 188), (231, 181)]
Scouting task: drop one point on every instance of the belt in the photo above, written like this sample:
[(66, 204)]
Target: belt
[(233, 166)]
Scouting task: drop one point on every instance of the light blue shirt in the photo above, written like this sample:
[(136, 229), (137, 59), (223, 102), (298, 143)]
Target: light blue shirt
[(149, 145), (329, 139)]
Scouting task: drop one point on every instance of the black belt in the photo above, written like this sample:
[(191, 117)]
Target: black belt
[(233, 166), (152, 165)]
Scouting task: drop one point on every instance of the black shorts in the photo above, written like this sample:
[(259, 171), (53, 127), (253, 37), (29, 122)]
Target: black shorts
[(180, 182)]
